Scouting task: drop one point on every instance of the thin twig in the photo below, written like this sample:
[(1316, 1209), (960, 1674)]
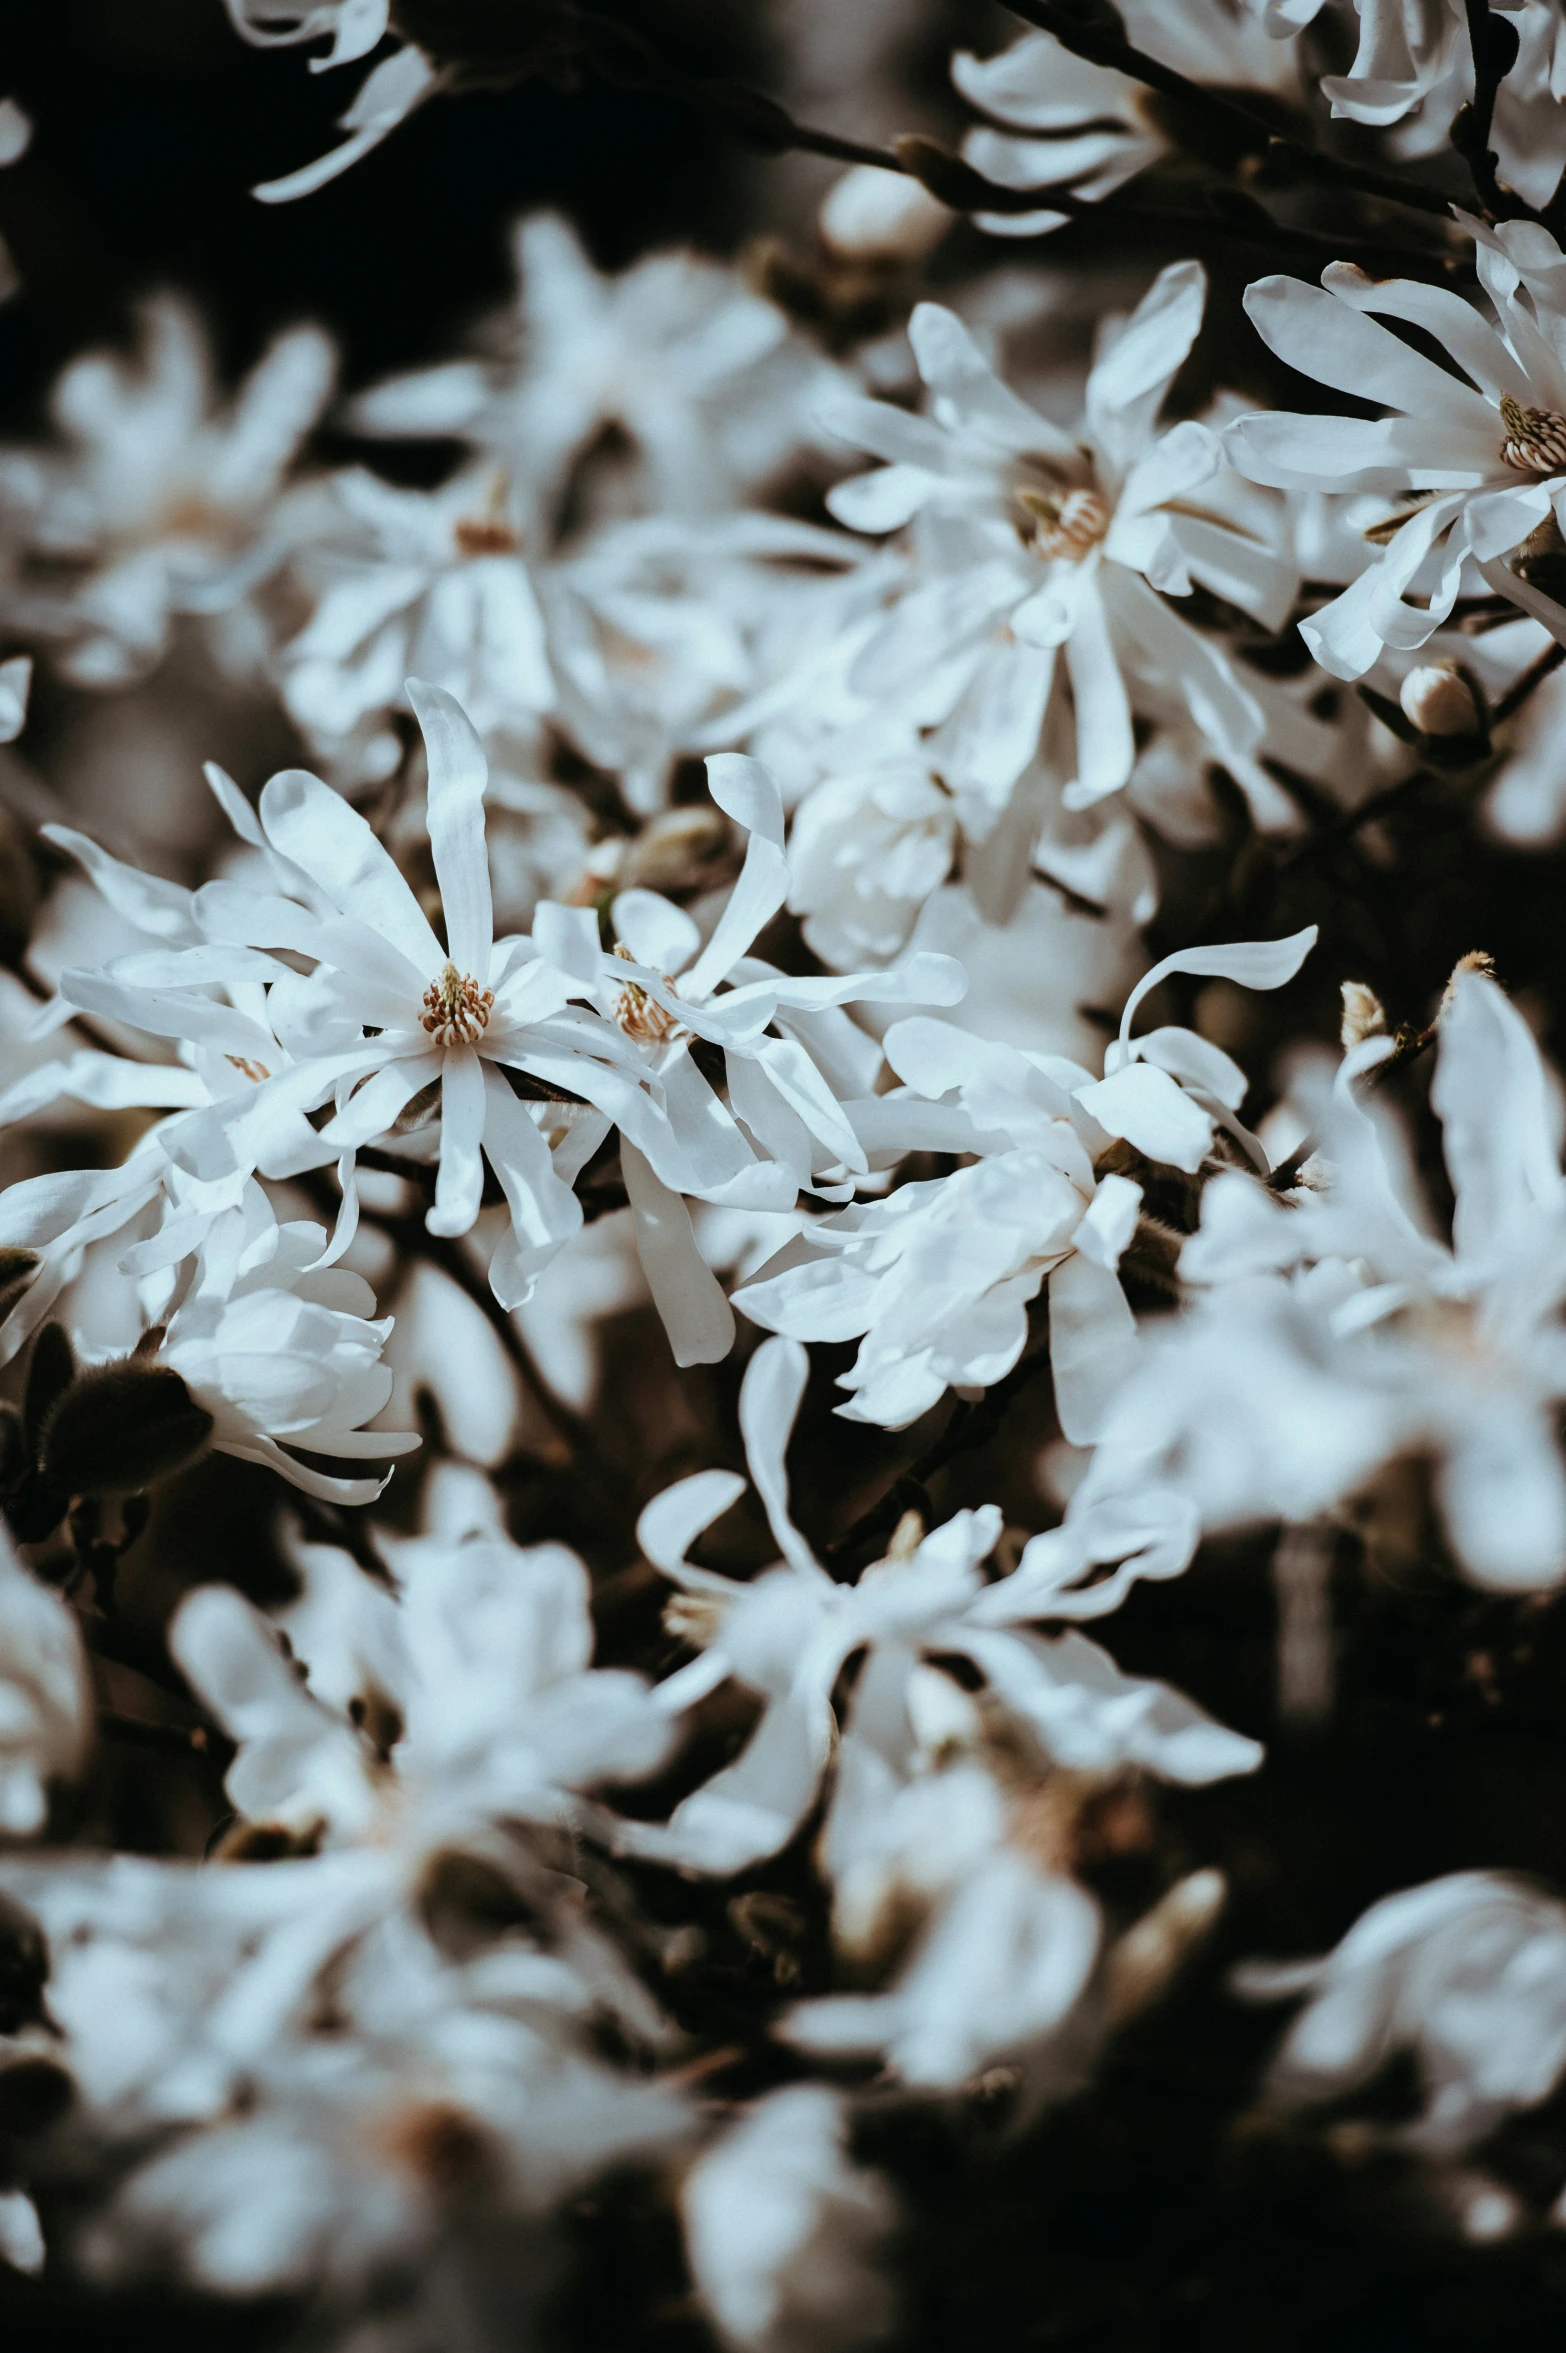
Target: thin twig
[(1524, 687), (1100, 39), (626, 59), (970, 1425), (1493, 44)]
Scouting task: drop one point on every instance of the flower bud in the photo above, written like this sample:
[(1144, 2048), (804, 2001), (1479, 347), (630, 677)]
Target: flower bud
[(1364, 1015), (872, 215), (1438, 700), (121, 1427)]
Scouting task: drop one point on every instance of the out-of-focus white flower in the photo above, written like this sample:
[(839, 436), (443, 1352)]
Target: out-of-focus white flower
[(1281, 1393), (1414, 67), (867, 848), (676, 356), (938, 1277), (1468, 1974), (290, 2085), (1042, 560), (163, 504), (672, 635), (1472, 467), (388, 95), (787, 1634), (1002, 1975), (45, 1696), (783, 2230), (414, 1720), (1088, 128), (424, 584)]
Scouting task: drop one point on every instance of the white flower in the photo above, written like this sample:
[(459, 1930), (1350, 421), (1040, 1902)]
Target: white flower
[(675, 355), (783, 2230), (46, 1709), (673, 635), (388, 95), (417, 1718), (1414, 67), (163, 504), (1468, 1974), (791, 1056), (427, 584), (1277, 1396), (939, 1276), (287, 2082), (1003, 1974), (787, 1634), (281, 1352), (866, 849), (1029, 544), (1472, 467), (1093, 128)]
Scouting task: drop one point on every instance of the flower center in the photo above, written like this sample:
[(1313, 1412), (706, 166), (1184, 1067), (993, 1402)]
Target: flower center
[(477, 535), (1535, 439), (456, 1009), (640, 1016), (1071, 526)]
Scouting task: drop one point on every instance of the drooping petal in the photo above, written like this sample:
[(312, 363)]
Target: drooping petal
[(770, 1396)]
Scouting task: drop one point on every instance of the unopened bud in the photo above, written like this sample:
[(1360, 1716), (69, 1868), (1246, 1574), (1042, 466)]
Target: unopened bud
[(1150, 1955), (121, 1427), (1438, 700), (873, 215), (1364, 1015), (1477, 960)]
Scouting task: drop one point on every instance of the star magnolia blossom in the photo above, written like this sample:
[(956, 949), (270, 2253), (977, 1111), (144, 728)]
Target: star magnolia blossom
[(1474, 467), (160, 505), (278, 1348), (783, 2230), (293, 2086), (427, 583), (389, 94), (791, 1056), (676, 355), (1414, 65), (1071, 124), (413, 1720), (389, 1012), (938, 1277), (1282, 1392), (1030, 546), (1467, 1974), (787, 1634)]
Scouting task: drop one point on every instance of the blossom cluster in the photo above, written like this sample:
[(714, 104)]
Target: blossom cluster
[(823, 908)]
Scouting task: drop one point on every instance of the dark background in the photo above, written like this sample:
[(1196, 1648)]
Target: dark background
[(1137, 2219)]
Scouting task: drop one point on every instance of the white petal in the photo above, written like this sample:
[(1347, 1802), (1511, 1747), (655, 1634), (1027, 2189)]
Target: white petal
[(458, 772), (686, 1292)]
